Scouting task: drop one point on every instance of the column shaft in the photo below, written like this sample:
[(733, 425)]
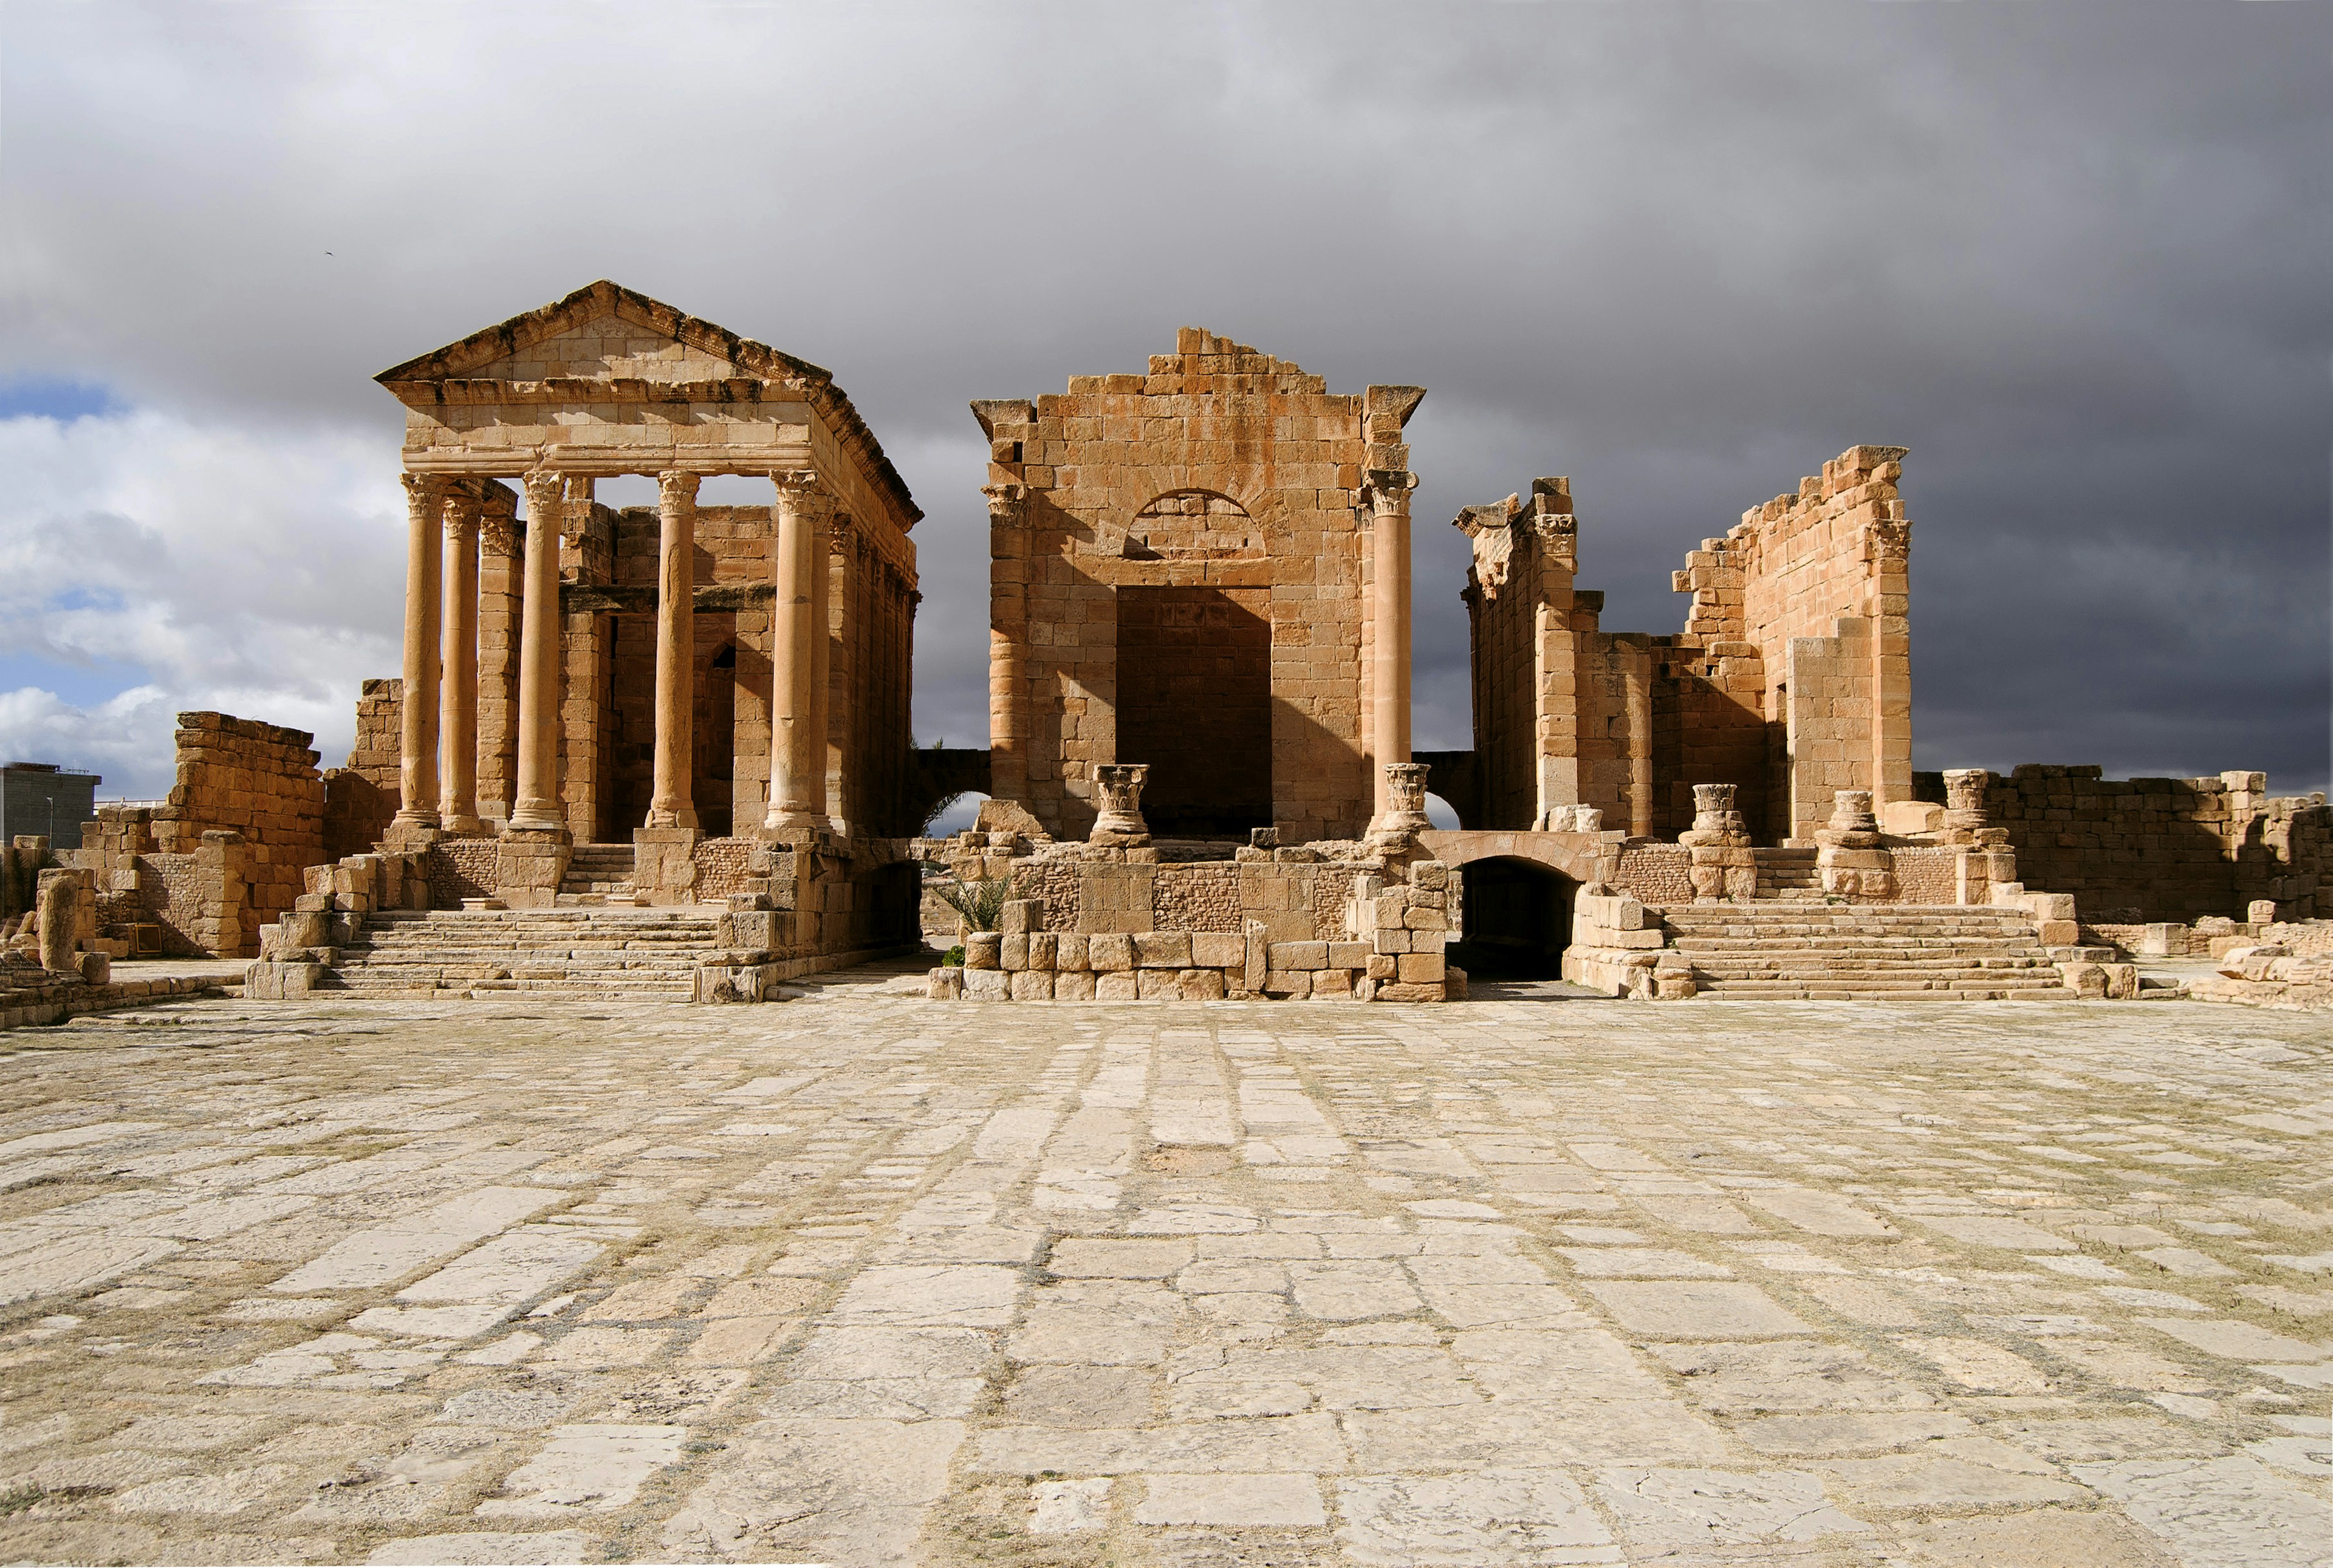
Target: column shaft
[(673, 803), (797, 735), (1389, 648), (457, 720), (537, 805), (417, 772)]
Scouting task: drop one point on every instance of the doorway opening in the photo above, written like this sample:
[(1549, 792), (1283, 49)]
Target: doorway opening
[(713, 787), (1195, 702), (1515, 920)]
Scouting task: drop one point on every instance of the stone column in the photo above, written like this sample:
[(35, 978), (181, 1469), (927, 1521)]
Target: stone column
[(797, 732), (1389, 642), (417, 771), (673, 803), (458, 712), (1722, 864), (827, 540), (1008, 642), (537, 805)]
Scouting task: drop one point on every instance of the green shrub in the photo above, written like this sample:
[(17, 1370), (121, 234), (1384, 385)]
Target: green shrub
[(981, 903)]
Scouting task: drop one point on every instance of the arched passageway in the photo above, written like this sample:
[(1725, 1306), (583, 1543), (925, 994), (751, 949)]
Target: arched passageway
[(1515, 918)]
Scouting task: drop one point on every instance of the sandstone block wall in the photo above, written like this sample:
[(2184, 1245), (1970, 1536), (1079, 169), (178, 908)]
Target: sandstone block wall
[(2148, 850), (361, 798), (258, 782), (1231, 483)]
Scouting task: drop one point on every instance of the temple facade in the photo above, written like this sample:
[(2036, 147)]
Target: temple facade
[(1202, 569)]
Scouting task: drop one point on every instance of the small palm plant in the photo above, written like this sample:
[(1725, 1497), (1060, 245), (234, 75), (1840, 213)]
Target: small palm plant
[(980, 902)]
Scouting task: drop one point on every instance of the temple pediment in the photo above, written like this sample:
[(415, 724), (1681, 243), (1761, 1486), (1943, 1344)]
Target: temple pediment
[(605, 333)]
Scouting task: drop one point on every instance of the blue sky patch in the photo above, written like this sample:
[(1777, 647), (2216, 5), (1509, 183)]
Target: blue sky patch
[(55, 398)]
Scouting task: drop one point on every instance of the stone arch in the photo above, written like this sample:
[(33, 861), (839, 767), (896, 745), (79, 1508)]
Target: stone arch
[(1193, 524), (1582, 857), (1515, 918)]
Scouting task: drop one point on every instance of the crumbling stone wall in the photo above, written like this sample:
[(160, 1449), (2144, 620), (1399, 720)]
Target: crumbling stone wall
[(1818, 583), (2147, 849), (1232, 477), (361, 798), (1791, 682), (257, 785)]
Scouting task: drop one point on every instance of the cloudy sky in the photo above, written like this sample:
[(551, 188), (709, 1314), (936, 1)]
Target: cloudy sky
[(2075, 258)]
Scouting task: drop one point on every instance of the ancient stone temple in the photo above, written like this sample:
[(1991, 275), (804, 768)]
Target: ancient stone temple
[(1791, 680), (684, 704), (1203, 567)]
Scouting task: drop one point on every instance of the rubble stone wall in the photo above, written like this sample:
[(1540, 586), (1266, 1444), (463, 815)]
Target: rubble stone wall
[(2150, 850)]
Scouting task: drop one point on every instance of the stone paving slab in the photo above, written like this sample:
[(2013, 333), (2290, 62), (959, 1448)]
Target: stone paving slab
[(864, 1279)]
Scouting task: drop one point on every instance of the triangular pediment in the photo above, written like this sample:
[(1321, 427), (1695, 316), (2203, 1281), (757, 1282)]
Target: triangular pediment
[(604, 333)]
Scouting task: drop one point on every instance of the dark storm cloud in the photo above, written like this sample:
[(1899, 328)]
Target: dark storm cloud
[(2075, 258)]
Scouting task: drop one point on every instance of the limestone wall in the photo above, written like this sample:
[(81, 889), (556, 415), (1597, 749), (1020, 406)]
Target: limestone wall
[(1229, 477), (360, 799), (2150, 850), (259, 781)]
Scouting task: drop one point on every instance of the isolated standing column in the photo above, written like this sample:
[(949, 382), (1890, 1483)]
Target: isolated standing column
[(1389, 614), (673, 803)]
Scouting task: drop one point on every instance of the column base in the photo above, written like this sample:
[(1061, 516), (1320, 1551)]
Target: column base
[(667, 817), (529, 863), (789, 818), (462, 826), (536, 817), (416, 817)]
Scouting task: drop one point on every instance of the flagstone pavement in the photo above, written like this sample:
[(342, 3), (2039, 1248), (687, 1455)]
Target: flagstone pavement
[(862, 1279)]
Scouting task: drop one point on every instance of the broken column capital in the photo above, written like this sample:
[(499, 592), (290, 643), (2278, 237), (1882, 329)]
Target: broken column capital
[(1119, 823)]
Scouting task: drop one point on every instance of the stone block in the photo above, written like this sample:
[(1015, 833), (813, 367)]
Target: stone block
[(1292, 983), (1074, 985), (1218, 950), (1032, 986), (986, 986), (1200, 986), (1299, 954), (1383, 965), (1012, 952), (1116, 985), (1347, 955), (2059, 933), (1392, 940), (1109, 953), (1070, 953), (1418, 919), (1158, 985), (1418, 968), (982, 950), (1162, 949), (1429, 874), (1408, 992), (1021, 916), (946, 982), (1045, 951)]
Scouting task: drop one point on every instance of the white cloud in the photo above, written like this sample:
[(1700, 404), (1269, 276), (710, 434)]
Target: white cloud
[(250, 571)]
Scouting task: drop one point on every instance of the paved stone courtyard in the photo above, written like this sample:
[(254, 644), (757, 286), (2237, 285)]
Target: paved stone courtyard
[(868, 1279)]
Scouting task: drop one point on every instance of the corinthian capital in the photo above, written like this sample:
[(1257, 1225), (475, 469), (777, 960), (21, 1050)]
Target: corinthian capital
[(1005, 501), (677, 488), (424, 491), (461, 517)]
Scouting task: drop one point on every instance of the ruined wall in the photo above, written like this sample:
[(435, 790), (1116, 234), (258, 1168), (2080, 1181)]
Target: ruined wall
[(1220, 469), (1526, 621), (360, 799), (1818, 584), (1709, 726), (2148, 850), (259, 781)]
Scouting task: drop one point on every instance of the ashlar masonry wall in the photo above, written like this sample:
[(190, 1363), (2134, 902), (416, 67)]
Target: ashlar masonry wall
[(2147, 849), (1227, 488)]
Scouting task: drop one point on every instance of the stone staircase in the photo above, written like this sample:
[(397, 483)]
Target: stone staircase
[(1792, 951), (597, 874), (588, 953), (1788, 874)]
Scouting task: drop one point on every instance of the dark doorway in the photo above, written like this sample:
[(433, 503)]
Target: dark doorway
[(716, 735), (1515, 920), (1195, 702)]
